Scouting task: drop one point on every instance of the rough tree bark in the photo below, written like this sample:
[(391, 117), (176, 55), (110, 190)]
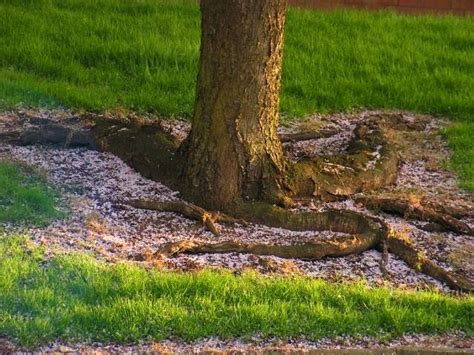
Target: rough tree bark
[(233, 151)]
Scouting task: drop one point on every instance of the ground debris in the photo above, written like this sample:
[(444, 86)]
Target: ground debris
[(95, 184), (453, 343)]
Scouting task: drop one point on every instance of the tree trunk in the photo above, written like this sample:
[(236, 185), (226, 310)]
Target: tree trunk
[(233, 152)]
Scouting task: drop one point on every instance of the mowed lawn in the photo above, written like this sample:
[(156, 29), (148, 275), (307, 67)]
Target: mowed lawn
[(142, 55), (25, 197), (78, 299)]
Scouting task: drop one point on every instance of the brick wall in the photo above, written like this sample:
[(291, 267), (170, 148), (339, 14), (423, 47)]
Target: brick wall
[(459, 7)]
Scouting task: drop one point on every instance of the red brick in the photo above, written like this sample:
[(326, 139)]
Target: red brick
[(411, 3), (438, 4), (467, 5), (458, 7)]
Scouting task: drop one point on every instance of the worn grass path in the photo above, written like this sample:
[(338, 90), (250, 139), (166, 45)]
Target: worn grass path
[(142, 56)]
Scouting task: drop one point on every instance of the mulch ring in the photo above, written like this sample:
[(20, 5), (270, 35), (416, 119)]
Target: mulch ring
[(95, 184)]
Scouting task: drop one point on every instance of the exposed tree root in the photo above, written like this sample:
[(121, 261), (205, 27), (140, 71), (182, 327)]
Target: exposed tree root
[(365, 233), (445, 208), (307, 251), (405, 250), (370, 162), (146, 147), (187, 209), (51, 133), (307, 135), (410, 209)]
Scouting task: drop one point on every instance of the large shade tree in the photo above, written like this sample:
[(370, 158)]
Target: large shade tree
[(233, 151), (233, 160)]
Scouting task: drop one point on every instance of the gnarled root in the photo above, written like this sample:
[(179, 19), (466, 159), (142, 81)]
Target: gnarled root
[(406, 251), (146, 147), (370, 162), (417, 210), (307, 135), (365, 233), (328, 248), (186, 209), (334, 247)]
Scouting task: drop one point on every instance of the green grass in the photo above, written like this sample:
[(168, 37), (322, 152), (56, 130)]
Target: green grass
[(76, 298), (24, 197), (142, 55)]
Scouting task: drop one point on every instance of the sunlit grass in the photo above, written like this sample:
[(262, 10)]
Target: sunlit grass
[(76, 298), (24, 197)]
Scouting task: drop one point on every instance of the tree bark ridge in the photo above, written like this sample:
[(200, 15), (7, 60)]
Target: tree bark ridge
[(233, 151)]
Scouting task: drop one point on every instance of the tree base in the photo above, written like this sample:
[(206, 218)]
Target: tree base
[(153, 151)]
